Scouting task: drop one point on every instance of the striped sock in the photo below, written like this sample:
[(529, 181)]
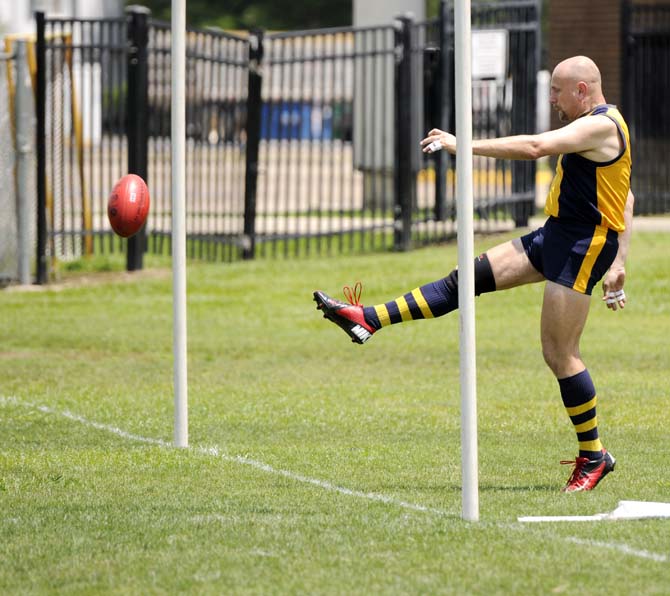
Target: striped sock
[(431, 300), (579, 398)]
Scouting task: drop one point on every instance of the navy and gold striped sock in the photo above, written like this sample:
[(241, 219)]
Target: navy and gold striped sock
[(579, 398), (431, 300)]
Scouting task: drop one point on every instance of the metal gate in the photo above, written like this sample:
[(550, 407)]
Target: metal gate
[(297, 142), (335, 117), (506, 59), (646, 81)]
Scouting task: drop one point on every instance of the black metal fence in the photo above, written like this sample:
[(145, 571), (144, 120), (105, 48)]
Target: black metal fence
[(503, 104), (646, 87), (84, 129), (297, 143), (217, 83)]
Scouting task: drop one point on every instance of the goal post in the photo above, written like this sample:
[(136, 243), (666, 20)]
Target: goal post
[(466, 272), (178, 157)]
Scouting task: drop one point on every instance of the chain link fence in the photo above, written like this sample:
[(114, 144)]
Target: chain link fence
[(8, 227), (17, 166)]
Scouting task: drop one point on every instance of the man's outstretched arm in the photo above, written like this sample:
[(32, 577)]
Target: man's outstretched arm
[(585, 134)]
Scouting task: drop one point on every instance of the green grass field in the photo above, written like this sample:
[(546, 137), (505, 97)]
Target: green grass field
[(316, 466)]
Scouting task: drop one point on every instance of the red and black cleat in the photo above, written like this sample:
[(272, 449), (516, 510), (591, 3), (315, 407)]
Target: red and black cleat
[(347, 316), (588, 472)]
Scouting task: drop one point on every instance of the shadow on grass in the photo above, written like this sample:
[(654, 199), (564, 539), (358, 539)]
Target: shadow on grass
[(456, 488), (519, 488)]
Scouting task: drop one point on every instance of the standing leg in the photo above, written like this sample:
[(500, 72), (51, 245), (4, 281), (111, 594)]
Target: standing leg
[(564, 313)]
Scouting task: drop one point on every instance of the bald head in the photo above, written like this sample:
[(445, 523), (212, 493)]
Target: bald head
[(579, 68), (576, 87)]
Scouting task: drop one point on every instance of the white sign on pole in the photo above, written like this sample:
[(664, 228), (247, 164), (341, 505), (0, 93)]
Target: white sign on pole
[(489, 54)]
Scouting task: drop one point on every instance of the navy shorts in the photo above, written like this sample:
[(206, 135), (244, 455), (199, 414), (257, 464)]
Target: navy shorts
[(572, 254)]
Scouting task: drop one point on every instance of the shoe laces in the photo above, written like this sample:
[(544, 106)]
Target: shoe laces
[(579, 463), (353, 295)]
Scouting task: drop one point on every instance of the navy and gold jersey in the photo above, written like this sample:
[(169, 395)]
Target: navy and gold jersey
[(593, 192)]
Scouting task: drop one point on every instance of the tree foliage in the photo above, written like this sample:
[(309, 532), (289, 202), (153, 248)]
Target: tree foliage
[(268, 14)]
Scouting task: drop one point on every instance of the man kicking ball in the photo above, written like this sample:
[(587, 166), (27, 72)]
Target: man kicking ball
[(584, 239)]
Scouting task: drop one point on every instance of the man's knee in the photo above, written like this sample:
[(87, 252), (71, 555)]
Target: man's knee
[(484, 280), (560, 359), (551, 356)]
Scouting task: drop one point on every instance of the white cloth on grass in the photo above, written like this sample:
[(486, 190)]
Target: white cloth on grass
[(625, 510)]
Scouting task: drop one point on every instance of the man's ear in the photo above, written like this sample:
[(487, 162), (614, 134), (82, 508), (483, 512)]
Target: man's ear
[(582, 88)]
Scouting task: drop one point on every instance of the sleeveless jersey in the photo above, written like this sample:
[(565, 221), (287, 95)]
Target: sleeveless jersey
[(593, 192)]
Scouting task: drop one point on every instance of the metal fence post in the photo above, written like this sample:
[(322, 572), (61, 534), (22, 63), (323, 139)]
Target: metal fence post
[(444, 74), (22, 116), (403, 178), (40, 110), (627, 43), (253, 129), (137, 110), (524, 90)]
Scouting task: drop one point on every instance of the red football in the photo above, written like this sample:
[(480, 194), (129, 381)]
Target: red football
[(128, 205)]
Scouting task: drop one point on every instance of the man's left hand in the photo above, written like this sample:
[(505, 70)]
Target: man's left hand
[(613, 294)]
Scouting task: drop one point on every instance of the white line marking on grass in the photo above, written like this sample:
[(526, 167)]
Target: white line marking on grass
[(203, 519), (335, 488), (215, 452), (623, 548), (239, 459)]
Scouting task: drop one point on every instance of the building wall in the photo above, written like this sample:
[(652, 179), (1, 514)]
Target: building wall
[(591, 28)]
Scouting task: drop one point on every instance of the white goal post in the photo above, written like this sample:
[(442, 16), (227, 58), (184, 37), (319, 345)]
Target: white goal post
[(178, 140), (466, 270)]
